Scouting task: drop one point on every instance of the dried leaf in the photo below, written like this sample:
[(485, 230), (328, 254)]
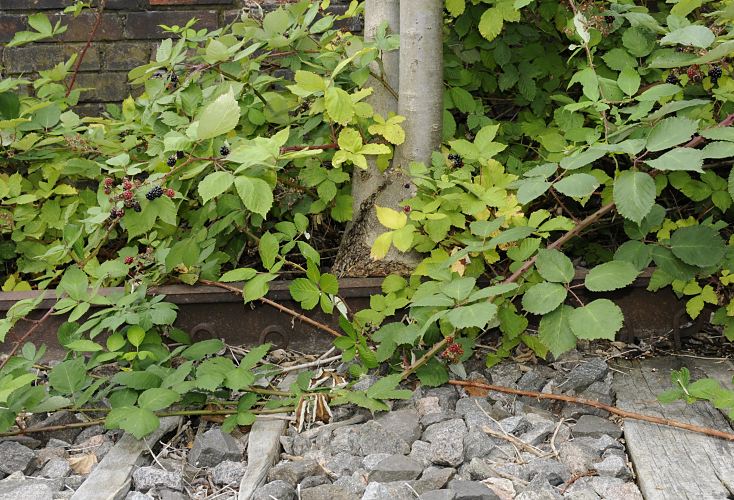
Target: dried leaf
[(83, 464)]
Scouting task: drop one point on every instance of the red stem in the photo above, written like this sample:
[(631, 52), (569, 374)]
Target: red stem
[(83, 53)]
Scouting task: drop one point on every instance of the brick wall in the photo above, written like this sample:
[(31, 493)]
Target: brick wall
[(127, 36)]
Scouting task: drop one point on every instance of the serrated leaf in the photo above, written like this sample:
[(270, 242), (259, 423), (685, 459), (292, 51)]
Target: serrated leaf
[(554, 266), (68, 376), (391, 219), (490, 24), (671, 132), (385, 388), (137, 421), (700, 246), (339, 105), (157, 399), (611, 276), (600, 319), (381, 246), (455, 7), (693, 35), (555, 330), (219, 117), (679, 159), (255, 193), (582, 159), (240, 274), (215, 184), (634, 194), (475, 315), (305, 293), (433, 373), (532, 188), (629, 80), (203, 349), (543, 297), (577, 185)]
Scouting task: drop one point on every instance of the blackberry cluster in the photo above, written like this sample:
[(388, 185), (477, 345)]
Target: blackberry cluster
[(116, 213), (456, 160), (171, 162), (672, 78), (154, 193), (694, 73), (224, 150), (715, 73)]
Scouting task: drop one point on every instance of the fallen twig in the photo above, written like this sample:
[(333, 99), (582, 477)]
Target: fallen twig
[(596, 404), (279, 307), (515, 441)]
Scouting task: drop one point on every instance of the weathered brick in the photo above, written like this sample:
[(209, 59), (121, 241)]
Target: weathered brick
[(36, 57), (190, 2), (104, 87), (126, 55), (32, 4), (110, 27), (9, 25), (146, 25), (124, 4)]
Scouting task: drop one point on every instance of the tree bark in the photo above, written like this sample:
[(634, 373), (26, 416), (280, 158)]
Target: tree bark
[(417, 74)]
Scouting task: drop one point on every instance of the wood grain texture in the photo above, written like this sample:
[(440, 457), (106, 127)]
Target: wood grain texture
[(673, 464)]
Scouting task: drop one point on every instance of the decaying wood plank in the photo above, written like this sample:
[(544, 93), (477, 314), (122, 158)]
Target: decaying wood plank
[(263, 447), (110, 480), (673, 464)]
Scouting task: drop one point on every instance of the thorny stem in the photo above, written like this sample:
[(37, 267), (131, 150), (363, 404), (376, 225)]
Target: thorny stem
[(277, 306), (596, 404), (83, 53), (25, 336), (423, 359), (77, 425)]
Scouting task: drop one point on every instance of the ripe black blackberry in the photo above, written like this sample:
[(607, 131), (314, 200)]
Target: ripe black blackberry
[(609, 19), (715, 73), (116, 213), (179, 154), (224, 150), (672, 78), (171, 161), (453, 156), (154, 193), (136, 206)]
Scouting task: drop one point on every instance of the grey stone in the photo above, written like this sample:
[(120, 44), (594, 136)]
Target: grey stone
[(434, 478), (88, 433), (600, 444), (74, 481), (370, 461), (427, 405), (366, 439), (552, 471), (355, 483), (16, 458), (593, 426), (472, 490), (55, 468), (276, 489), (148, 477), (538, 495), (477, 469), (475, 411), (17, 487), (343, 464), (478, 444), (578, 456), (447, 396), (396, 468), (312, 481), (61, 418), (327, 492), (166, 494), (379, 491), (613, 488), (228, 472), (293, 472), (585, 373), (405, 423), (365, 382), (62, 495), (103, 449), (213, 447), (540, 429), (438, 495), (535, 378), (586, 493), (26, 441), (505, 374), (447, 442), (421, 452), (613, 466), (515, 425), (436, 417), (57, 443)]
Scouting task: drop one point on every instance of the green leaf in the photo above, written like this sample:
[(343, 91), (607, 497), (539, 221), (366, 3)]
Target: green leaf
[(634, 252), (490, 24), (459, 289), (731, 182), (268, 249), (137, 380), (257, 287), (137, 421), (532, 188), (693, 35), (381, 246), (135, 335), (582, 159), (600, 319), (611, 276), (391, 219), (455, 7), (543, 297), (385, 388), (255, 193), (305, 292), (700, 246), (679, 159), (240, 274), (475, 315), (68, 376), (339, 105), (634, 194), (629, 80), (157, 399), (433, 373), (219, 117), (202, 349), (671, 132), (555, 330), (554, 266), (576, 185), (238, 379), (215, 184)]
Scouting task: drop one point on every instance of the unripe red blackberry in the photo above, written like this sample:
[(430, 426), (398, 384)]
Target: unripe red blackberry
[(170, 193), (127, 185), (128, 260), (406, 209), (127, 195), (109, 181), (694, 73), (107, 190)]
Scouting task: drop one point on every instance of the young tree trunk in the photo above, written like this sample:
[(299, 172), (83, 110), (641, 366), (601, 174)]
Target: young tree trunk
[(417, 74)]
